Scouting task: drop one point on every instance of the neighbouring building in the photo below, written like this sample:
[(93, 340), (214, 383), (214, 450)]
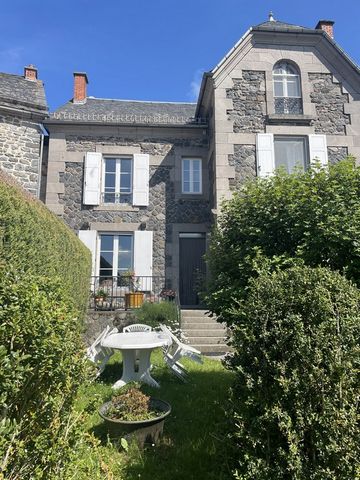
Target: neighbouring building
[(141, 182), (23, 109)]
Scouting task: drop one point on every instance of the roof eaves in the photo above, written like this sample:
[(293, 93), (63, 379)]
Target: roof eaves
[(223, 60)]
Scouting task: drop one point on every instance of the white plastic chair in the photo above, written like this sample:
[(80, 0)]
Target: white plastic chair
[(175, 351), (97, 353), (137, 327)]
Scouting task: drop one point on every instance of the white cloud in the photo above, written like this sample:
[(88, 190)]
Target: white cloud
[(195, 85)]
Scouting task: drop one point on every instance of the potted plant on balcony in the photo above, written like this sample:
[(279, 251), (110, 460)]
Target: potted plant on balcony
[(101, 299), (135, 298), (132, 412)]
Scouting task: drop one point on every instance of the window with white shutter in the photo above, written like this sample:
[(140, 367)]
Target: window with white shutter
[(318, 149), (141, 180), (265, 156), (92, 171), (89, 238)]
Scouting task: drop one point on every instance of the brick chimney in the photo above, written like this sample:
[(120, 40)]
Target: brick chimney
[(80, 84), (30, 73), (327, 26)]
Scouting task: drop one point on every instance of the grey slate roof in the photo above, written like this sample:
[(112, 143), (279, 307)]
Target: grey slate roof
[(16, 91), (126, 111), (277, 25)]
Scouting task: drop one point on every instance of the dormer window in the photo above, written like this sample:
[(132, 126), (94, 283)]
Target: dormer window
[(287, 89)]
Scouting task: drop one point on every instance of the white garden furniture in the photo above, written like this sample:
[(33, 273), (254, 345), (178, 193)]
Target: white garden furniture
[(137, 327), (175, 351), (97, 353), (129, 344)]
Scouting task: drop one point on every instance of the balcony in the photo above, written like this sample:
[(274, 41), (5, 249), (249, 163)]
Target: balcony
[(127, 292)]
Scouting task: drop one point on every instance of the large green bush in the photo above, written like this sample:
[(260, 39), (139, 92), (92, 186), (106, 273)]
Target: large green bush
[(44, 287), (34, 240), (155, 314), (311, 217), (296, 392)]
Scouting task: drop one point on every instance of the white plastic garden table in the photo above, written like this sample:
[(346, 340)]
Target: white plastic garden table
[(131, 344)]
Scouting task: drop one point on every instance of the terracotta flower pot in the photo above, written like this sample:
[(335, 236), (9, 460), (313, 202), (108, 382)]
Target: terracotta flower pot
[(145, 431)]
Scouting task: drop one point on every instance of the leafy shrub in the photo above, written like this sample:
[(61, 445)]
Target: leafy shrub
[(311, 218), (41, 366), (154, 314), (296, 392), (130, 404), (34, 240)]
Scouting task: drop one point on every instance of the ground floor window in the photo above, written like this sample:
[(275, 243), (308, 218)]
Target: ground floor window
[(291, 152), (116, 254)]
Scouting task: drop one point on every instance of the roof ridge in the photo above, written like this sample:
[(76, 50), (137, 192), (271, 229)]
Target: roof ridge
[(140, 101)]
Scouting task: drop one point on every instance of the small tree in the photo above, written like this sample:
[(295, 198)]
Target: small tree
[(310, 218), (297, 390)]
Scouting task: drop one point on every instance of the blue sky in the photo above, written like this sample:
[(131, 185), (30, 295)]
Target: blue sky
[(146, 49)]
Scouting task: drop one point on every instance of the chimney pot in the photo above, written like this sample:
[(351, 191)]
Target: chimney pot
[(80, 87), (30, 73), (327, 26)]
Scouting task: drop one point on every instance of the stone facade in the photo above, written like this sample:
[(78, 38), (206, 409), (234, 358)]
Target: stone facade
[(96, 321), (20, 141), (248, 97), (244, 161), (329, 103), (336, 154)]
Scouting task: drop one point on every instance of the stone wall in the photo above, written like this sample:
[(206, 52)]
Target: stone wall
[(336, 154), (329, 103), (164, 207), (244, 161), (248, 96), (20, 150), (96, 321)]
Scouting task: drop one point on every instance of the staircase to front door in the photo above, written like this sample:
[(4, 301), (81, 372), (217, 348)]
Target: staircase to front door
[(204, 332)]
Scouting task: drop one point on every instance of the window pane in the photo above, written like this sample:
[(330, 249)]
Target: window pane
[(278, 88), (125, 165), (106, 260), (125, 183), (186, 187), (293, 88), (289, 153), (186, 165), (110, 165), (109, 182), (125, 261), (125, 243), (196, 187), (107, 242)]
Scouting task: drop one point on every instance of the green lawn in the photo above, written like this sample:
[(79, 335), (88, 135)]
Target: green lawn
[(193, 445)]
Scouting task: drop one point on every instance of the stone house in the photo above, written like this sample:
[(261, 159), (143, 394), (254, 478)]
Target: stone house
[(23, 109), (142, 182)]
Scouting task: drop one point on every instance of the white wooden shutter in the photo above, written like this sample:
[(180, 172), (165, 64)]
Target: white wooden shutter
[(265, 155), (143, 258), (92, 178), (318, 149), (141, 180), (88, 237)]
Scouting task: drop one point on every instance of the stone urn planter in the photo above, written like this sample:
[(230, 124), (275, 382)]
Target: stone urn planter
[(144, 431)]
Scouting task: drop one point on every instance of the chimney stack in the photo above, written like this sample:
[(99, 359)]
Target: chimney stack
[(80, 85), (327, 26), (30, 73)]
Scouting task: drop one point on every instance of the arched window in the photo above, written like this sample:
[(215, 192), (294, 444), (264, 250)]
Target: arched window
[(287, 89)]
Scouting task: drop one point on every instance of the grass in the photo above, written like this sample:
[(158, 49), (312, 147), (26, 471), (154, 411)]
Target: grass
[(193, 445)]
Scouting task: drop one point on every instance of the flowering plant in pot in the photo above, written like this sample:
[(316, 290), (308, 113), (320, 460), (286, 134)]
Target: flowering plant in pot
[(132, 412), (135, 298)]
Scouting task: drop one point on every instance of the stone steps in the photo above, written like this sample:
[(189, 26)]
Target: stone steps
[(203, 332)]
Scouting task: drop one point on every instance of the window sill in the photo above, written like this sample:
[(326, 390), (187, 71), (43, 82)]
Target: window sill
[(116, 208), (289, 119)]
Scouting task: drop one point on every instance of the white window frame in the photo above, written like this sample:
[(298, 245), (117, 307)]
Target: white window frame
[(305, 142), (115, 251), (118, 159), (285, 77), (192, 161)]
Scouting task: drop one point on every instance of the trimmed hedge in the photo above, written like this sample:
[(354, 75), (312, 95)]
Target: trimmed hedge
[(44, 288), (297, 386), (34, 240)]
